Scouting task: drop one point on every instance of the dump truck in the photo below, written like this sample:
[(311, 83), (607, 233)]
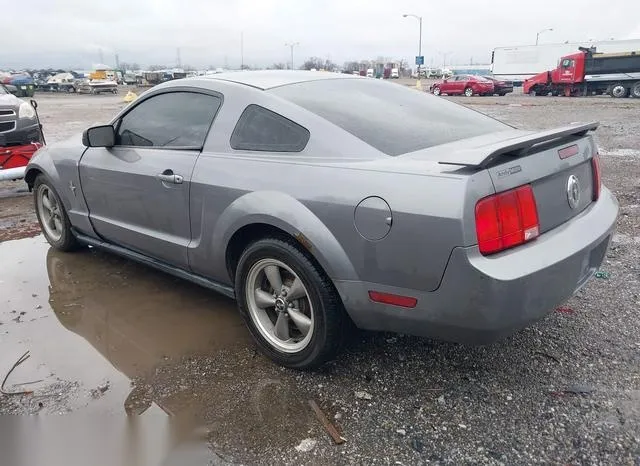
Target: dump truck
[(588, 73), (520, 62)]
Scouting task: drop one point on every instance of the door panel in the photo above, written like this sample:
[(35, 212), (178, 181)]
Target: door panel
[(130, 206), (461, 83), (137, 192), (447, 86)]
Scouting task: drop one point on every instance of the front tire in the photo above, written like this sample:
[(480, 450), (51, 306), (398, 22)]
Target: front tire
[(289, 305), (52, 216), (468, 92), (436, 91)]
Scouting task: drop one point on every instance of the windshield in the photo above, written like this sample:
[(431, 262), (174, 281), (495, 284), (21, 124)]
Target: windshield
[(390, 117)]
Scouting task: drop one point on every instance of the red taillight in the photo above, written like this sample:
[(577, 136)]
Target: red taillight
[(394, 299), (506, 219), (597, 180)]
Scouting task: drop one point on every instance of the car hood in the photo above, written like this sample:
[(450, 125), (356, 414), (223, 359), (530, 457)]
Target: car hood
[(9, 100)]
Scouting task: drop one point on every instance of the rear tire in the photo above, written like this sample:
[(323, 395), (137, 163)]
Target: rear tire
[(618, 91), (269, 264), (52, 216), (468, 92), (635, 90)]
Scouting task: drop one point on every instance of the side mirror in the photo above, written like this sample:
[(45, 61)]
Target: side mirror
[(99, 136), (34, 104)]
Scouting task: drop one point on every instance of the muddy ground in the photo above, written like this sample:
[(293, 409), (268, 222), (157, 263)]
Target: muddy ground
[(108, 337)]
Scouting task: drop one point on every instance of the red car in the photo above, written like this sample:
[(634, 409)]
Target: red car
[(463, 84)]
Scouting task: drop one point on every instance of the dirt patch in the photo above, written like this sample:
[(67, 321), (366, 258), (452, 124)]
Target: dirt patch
[(17, 214)]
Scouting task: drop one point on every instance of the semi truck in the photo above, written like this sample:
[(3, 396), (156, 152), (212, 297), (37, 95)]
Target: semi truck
[(589, 73), (517, 63)]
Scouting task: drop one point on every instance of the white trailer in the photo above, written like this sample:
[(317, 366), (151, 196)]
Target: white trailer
[(518, 63)]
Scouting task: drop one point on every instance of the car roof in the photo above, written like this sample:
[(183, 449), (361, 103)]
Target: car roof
[(268, 79)]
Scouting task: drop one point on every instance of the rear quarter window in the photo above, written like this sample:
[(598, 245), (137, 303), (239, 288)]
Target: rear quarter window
[(260, 129), (390, 117)]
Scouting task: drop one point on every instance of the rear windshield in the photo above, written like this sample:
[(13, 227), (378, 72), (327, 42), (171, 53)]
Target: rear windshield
[(390, 117)]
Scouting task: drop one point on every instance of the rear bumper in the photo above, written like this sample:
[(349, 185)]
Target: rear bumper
[(482, 299)]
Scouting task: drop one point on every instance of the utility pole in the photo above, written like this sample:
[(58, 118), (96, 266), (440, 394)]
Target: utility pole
[(242, 50), (292, 45)]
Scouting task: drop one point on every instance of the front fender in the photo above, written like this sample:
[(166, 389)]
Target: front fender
[(60, 164), (42, 162), (288, 214)]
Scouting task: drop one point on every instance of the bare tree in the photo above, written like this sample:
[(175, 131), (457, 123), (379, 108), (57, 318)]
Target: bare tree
[(329, 65), (312, 63), (157, 67), (351, 66), (278, 66), (126, 66)]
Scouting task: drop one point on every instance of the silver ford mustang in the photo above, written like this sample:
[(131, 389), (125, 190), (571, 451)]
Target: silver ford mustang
[(318, 200)]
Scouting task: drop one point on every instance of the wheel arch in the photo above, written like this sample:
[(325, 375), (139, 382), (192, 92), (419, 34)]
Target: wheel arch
[(49, 170), (263, 214)]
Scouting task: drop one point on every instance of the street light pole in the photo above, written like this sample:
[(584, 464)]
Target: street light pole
[(292, 45), (540, 32), (419, 18)]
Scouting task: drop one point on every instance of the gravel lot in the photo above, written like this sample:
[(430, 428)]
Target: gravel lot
[(110, 337)]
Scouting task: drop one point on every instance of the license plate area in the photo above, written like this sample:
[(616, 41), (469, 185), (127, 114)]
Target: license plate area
[(592, 261)]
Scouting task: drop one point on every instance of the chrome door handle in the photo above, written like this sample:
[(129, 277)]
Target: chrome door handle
[(168, 177)]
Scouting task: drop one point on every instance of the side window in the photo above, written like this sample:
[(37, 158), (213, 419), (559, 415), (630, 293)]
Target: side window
[(566, 63), (175, 119), (260, 129)]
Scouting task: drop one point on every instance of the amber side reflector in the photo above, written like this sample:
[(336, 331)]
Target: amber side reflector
[(393, 299)]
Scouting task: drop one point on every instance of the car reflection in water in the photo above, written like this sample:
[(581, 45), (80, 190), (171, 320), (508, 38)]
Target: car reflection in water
[(184, 347)]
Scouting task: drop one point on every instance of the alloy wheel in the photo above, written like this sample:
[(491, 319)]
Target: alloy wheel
[(49, 211), (279, 305)]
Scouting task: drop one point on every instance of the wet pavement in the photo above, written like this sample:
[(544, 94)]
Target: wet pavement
[(107, 336)]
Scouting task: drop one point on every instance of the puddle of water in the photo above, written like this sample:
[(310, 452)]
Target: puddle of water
[(109, 336)]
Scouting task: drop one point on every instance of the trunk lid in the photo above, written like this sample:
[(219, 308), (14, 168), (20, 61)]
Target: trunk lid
[(556, 163)]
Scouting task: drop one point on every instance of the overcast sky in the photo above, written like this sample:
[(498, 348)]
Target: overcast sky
[(71, 33)]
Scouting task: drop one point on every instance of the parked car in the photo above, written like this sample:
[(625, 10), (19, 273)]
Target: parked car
[(500, 87), (19, 124), (276, 188), (463, 84), (9, 89)]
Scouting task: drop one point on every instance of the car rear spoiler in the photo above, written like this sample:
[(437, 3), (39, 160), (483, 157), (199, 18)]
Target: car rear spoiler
[(482, 157)]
